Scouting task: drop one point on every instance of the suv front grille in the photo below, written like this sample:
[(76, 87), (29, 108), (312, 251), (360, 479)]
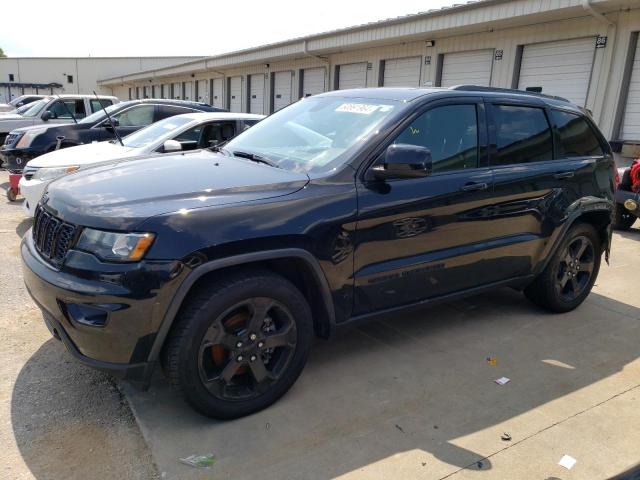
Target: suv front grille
[(51, 236), (12, 138)]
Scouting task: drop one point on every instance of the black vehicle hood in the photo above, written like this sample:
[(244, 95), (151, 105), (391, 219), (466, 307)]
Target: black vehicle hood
[(121, 196), (56, 129)]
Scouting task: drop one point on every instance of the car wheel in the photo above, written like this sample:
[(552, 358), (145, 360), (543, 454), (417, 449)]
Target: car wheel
[(622, 219), (571, 272), (12, 196), (239, 343)]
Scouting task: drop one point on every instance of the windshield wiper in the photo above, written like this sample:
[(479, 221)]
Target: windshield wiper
[(255, 158)]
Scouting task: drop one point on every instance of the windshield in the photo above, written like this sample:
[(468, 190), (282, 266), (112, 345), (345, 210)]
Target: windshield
[(314, 134), (155, 131), (36, 107), (99, 115)]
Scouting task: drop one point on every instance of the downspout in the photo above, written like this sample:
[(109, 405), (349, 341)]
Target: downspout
[(586, 4)]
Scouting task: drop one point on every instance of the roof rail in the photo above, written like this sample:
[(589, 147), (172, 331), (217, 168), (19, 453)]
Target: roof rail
[(478, 88)]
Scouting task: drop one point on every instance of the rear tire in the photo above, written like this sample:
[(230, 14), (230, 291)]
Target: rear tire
[(239, 343), (622, 218), (571, 272), (12, 196)]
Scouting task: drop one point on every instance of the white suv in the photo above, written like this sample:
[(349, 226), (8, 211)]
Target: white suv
[(54, 109)]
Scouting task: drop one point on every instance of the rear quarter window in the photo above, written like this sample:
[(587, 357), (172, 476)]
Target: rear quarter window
[(576, 138)]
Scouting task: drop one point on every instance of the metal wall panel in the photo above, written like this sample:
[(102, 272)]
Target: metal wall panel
[(471, 68), (559, 68), (630, 129)]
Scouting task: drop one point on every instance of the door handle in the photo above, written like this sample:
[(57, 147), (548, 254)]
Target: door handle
[(473, 187), (563, 175)]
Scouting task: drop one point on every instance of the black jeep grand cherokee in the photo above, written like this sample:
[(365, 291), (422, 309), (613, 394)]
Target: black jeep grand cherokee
[(222, 265)]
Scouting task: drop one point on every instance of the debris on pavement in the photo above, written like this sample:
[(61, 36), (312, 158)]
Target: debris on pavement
[(267, 426), (502, 380), (505, 437), (492, 361), (567, 461), (199, 461), (399, 428)]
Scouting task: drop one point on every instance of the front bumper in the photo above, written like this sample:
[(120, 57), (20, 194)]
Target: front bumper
[(15, 159), (107, 315), (32, 191)]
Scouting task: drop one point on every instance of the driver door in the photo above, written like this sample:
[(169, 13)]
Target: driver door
[(420, 238)]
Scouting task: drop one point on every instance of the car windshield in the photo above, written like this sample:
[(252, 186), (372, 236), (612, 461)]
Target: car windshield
[(22, 109), (99, 115), (15, 101), (155, 131), (36, 107), (314, 134)]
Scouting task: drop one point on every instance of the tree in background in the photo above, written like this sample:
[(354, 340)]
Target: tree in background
[(2, 55)]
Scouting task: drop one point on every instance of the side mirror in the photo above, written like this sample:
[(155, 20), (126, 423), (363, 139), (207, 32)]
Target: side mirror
[(46, 116), (404, 161), (172, 146)]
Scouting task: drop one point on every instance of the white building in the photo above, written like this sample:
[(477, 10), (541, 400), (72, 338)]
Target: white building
[(584, 50), (70, 75)]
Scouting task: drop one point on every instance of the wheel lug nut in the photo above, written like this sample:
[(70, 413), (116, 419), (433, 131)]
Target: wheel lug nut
[(240, 358), (260, 344), (253, 358), (252, 337), (239, 344)]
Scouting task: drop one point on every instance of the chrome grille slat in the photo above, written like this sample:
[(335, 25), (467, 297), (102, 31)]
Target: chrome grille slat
[(51, 236)]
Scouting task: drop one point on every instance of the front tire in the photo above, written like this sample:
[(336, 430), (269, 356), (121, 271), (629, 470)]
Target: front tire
[(622, 218), (239, 344), (571, 272)]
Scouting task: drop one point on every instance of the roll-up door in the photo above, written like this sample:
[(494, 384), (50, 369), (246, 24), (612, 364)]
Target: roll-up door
[(146, 92), (202, 94), (218, 93), (312, 81), (470, 68), (176, 90), (402, 72), (281, 90), (630, 129), (235, 94), (256, 95), (558, 68), (188, 90), (353, 75)]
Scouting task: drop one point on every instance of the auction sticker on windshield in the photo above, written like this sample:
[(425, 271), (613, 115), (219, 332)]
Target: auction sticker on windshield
[(361, 108)]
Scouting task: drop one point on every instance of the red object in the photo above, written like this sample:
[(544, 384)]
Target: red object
[(634, 175), (14, 180)]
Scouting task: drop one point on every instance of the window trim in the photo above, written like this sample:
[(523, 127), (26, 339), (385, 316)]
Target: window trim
[(491, 129), (374, 157)]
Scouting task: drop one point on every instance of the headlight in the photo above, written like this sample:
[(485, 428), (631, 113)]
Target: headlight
[(51, 173), (120, 247), (29, 136)]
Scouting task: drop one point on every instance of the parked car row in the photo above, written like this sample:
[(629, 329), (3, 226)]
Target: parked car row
[(219, 259), (18, 102)]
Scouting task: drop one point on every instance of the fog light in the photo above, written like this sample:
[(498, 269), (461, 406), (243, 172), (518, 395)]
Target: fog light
[(630, 204)]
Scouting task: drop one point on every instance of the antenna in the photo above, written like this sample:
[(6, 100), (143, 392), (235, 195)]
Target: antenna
[(115, 132)]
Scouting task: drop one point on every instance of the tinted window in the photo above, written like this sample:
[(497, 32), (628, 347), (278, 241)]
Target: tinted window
[(66, 108), (137, 116), (575, 136), (171, 110), (95, 104), (522, 135), (189, 139), (216, 133), (450, 132)]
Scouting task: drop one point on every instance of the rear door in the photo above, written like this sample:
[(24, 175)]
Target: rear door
[(533, 186), (426, 237)]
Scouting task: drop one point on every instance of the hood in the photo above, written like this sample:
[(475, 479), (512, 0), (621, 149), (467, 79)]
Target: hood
[(120, 197), (53, 129), (11, 116), (83, 155)]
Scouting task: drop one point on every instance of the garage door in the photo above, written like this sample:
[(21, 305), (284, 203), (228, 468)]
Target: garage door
[(176, 90), (312, 81), (558, 68), (353, 75), (256, 99), (202, 87), (235, 94), (631, 120), (402, 72), (188, 90), (145, 92), (281, 90), (470, 68), (218, 92)]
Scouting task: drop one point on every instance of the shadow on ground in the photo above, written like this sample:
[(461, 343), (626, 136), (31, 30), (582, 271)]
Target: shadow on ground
[(69, 421), (415, 386)]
